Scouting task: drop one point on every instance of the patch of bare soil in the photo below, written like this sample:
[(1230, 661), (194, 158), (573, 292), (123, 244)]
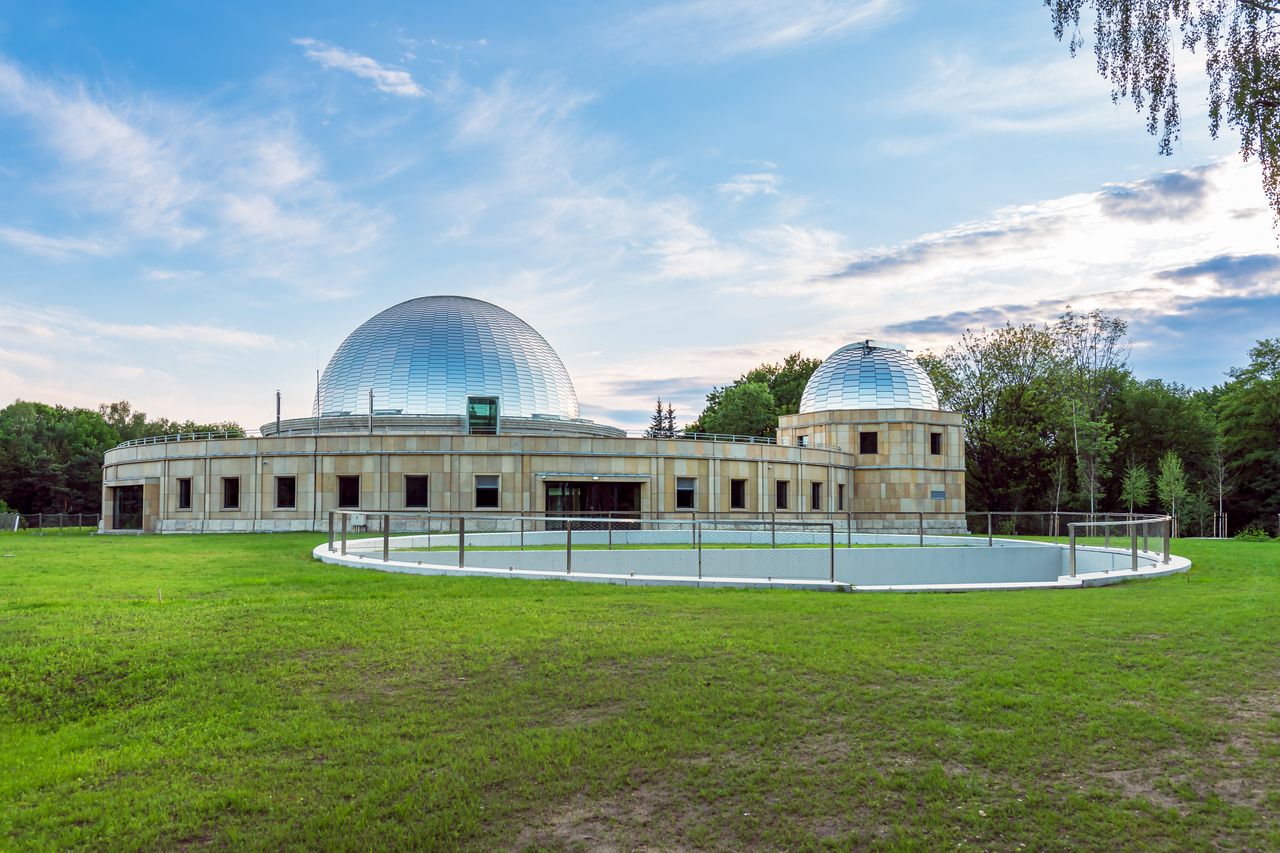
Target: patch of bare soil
[(1236, 770)]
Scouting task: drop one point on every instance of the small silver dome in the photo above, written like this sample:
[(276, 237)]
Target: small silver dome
[(869, 375), (426, 356)]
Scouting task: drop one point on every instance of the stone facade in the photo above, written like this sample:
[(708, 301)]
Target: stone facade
[(903, 475)]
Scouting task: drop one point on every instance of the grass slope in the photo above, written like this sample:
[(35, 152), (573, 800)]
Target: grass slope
[(271, 701)]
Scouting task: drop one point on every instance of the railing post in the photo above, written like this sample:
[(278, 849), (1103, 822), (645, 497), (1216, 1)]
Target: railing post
[(848, 529), (568, 546), (920, 526), (386, 537), (773, 530), (1071, 547), (1168, 532), (989, 542), (1146, 536), (462, 542), (521, 531), (344, 534), (330, 531), (1106, 528), (1133, 544), (697, 538), (609, 524), (831, 529)]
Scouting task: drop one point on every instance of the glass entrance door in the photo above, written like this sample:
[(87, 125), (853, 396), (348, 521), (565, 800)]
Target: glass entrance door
[(598, 500), (127, 508)]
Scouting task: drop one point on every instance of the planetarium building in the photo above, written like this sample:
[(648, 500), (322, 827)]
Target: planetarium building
[(453, 406)]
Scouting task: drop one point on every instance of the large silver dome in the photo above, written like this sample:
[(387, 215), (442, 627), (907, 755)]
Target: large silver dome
[(869, 375), (426, 356)]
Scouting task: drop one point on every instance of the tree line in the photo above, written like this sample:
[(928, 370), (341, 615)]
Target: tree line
[(1055, 420), (51, 456)]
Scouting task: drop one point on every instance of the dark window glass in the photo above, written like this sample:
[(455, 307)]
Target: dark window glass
[(935, 443), (230, 492), (416, 491), (781, 491), (348, 492), (184, 493), (686, 493), (815, 496), (486, 491), (868, 442), (737, 494), (802, 441), (286, 492), (938, 494), (840, 497), (482, 415)]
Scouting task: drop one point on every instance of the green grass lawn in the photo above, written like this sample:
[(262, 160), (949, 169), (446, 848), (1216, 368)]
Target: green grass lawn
[(268, 701)]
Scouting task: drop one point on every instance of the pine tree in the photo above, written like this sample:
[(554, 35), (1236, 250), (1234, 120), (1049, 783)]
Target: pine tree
[(658, 423), (671, 421)]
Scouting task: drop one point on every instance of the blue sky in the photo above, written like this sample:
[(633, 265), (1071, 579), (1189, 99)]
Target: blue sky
[(199, 201)]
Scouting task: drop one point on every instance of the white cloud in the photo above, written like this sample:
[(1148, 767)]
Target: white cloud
[(51, 247), (247, 189), (713, 30), (393, 81), (740, 187)]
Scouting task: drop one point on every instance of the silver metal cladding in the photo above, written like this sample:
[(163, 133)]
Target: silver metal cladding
[(426, 356), (869, 375)]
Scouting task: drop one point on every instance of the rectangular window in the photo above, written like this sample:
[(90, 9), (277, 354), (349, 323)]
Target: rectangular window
[(286, 492), (938, 494), (184, 493), (840, 497), (935, 443), (417, 492), (802, 441), (781, 493), (868, 442), (230, 492), (815, 497), (349, 492), (686, 493), (482, 415), (486, 491), (737, 494)]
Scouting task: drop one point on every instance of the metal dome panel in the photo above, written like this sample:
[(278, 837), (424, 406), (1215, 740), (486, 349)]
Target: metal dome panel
[(426, 356), (869, 375)]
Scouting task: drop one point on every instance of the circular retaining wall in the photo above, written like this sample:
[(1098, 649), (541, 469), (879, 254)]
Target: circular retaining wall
[(802, 560)]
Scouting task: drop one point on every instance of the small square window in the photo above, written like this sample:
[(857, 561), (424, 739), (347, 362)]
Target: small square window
[(937, 494), (349, 492), (868, 442), (230, 492), (417, 491), (184, 493), (781, 494), (487, 491), (815, 497), (737, 494), (686, 493), (286, 492), (935, 443)]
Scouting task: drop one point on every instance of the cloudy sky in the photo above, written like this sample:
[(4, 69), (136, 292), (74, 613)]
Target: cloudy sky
[(199, 201)]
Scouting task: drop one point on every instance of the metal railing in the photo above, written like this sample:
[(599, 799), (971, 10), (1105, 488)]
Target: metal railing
[(1162, 524), (807, 549), (185, 436), (11, 522)]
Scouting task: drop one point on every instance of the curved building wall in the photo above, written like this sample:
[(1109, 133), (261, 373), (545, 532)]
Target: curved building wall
[(453, 463)]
